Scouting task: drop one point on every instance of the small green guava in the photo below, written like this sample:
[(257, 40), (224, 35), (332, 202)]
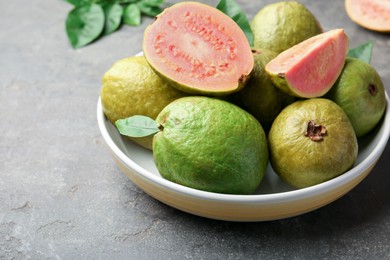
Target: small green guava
[(260, 97), (360, 92), (210, 144), (312, 141)]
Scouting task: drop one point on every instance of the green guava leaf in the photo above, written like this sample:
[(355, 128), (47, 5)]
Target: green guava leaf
[(103, 2), (78, 2), (84, 24), (137, 126), (233, 10), (132, 15), (152, 2), (113, 14), (362, 52), (127, 1), (149, 7)]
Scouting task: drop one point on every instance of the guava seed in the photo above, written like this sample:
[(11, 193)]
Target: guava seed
[(197, 23), (198, 69)]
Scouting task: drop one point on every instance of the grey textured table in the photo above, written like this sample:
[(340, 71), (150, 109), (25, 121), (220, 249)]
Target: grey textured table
[(63, 197)]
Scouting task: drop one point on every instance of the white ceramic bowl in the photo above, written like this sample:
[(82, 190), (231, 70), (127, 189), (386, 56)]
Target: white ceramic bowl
[(273, 200)]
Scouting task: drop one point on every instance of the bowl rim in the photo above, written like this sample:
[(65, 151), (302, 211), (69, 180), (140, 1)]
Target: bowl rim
[(271, 198)]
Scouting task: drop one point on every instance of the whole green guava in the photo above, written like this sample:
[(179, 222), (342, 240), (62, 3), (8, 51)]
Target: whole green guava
[(279, 26), (312, 141), (360, 92), (131, 87), (211, 145)]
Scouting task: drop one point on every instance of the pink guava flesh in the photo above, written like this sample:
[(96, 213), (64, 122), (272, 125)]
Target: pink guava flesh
[(198, 46), (371, 14), (311, 67)]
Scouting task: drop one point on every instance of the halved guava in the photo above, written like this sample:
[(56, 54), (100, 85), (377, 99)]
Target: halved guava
[(198, 49), (370, 14), (310, 68)]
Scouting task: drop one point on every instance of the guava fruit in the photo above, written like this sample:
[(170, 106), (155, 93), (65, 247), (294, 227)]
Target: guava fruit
[(310, 68), (370, 14), (360, 92), (198, 49), (131, 87), (210, 144), (279, 26), (260, 97), (312, 141)]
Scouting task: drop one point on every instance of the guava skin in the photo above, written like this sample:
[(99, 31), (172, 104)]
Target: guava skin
[(210, 144), (260, 97), (360, 92), (303, 160)]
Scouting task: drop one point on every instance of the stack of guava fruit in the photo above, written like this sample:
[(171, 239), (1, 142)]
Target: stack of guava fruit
[(215, 110)]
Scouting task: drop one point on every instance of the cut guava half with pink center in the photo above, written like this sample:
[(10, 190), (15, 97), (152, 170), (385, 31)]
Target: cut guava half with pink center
[(310, 68), (370, 14), (198, 49)]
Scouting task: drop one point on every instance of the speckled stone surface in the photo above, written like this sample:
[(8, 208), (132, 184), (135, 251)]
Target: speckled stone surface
[(63, 197)]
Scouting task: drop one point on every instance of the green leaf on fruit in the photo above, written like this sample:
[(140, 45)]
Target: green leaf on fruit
[(84, 24), (233, 10), (137, 126), (362, 52)]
